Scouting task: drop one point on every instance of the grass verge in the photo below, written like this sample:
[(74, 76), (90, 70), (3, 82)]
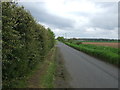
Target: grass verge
[(48, 77), (40, 75), (107, 54)]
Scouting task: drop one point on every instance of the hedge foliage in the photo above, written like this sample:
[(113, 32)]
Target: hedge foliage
[(62, 39), (25, 43)]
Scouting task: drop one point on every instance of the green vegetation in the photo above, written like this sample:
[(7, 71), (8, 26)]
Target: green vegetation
[(38, 77), (108, 54), (48, 78), (100, 41), (61, 39), (74, 40), (25, 44)]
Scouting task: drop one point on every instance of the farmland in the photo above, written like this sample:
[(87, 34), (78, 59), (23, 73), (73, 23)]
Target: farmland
[(106, 50), (107, 54), (99, 42), (110, 44)]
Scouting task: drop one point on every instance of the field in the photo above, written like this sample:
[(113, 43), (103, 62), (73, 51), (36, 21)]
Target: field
[(114, 44), (110, 44), (107, 54), (109, 41)]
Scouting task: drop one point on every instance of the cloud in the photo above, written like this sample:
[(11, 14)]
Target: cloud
[(41, 14), (108, 19), (77, 18)]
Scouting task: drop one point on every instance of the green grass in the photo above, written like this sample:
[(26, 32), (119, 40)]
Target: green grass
[(108, 54), (48, 78)]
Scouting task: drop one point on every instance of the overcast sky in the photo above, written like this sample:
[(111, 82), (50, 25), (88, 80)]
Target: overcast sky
[(77, 18)]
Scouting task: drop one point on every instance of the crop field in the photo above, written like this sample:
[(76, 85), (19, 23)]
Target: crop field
[(113, 44), (110, 44), (105, 41), (107, 54)]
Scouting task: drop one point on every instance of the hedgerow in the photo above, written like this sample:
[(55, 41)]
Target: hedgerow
[(25, 43)]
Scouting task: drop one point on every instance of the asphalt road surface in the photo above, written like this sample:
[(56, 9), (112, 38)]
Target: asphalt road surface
[(86, 71)]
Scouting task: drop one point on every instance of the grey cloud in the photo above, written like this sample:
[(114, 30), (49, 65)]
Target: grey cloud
[(42, 15), (56, 21), (119, 14), (85, 14), (108, 19)]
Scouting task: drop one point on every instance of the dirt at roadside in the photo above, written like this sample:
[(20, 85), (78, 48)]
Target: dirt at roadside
[(61, 75), (35, 80)]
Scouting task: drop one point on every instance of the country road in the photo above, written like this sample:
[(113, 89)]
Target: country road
[(86, 71)]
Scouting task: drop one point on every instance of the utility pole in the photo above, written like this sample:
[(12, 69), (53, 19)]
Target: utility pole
[(66, 36)]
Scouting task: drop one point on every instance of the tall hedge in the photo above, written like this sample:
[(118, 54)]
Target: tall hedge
[(25, 43)]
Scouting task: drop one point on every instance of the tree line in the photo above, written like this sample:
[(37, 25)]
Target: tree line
[(24, 43)]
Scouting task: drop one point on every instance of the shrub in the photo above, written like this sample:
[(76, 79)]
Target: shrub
[(25, 43)]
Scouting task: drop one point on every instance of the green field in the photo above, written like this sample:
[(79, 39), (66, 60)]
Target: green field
[(107, 54)]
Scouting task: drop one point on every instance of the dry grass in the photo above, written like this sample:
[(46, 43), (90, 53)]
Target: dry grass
[(114, 45)]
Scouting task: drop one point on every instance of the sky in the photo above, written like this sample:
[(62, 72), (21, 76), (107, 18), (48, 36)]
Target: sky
[(76, 18)]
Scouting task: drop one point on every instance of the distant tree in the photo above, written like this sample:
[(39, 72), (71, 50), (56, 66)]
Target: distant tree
[(62, 39)]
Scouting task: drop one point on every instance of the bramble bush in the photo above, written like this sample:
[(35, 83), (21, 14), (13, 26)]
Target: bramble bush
[(25, 43)]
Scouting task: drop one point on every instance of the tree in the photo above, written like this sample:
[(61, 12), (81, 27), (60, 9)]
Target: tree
[(61, 39)]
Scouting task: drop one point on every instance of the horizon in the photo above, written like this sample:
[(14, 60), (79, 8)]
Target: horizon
[(88, 38)]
